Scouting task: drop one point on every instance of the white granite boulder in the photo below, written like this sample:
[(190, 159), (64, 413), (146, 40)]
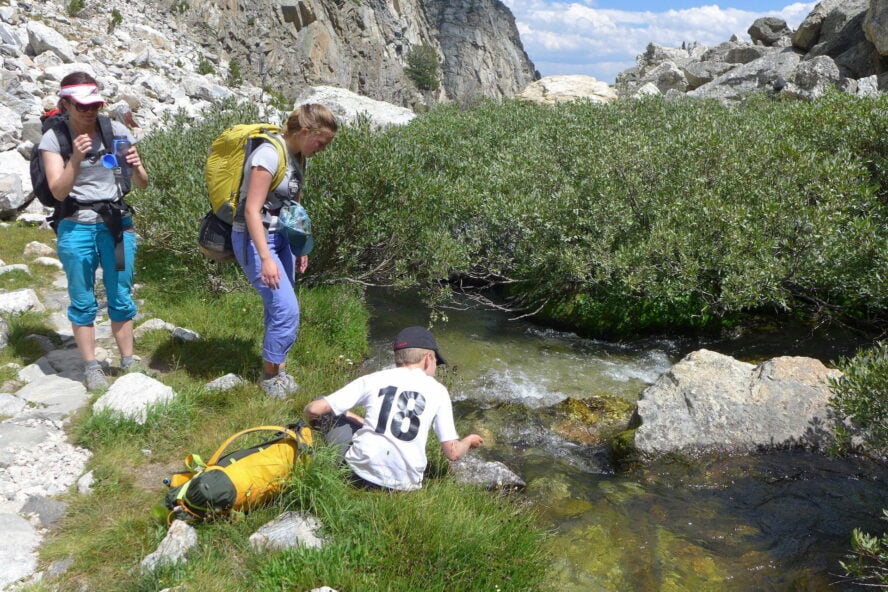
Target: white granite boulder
[(131, 395)]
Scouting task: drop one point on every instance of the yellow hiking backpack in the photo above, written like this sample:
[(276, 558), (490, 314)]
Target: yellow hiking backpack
[(224, 175), (239, 480)]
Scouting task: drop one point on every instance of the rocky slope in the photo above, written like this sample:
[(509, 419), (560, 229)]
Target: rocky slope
[(841, 43), (362, 45)]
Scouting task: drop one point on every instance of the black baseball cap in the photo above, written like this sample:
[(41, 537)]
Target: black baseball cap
[(418, 337)]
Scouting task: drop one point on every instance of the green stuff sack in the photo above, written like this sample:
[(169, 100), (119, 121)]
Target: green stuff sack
[(243, 479), (224, 175)]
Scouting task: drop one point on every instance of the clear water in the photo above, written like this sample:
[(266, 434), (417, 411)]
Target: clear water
[(773, 522)]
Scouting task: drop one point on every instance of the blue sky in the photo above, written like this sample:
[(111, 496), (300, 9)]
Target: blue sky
[(601, 38)]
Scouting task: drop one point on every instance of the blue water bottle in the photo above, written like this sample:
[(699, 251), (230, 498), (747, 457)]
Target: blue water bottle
[(121, 147)]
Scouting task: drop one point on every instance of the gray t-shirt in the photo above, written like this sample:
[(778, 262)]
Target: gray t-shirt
[(94, 182), (266, 156)]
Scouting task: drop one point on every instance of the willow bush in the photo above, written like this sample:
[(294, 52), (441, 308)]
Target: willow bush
[(635, 216)]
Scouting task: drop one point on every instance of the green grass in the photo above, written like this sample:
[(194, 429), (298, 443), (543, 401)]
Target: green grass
[(20, 349), (15, 238), (108, 532)]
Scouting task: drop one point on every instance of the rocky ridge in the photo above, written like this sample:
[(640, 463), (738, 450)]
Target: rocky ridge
[(841, 43), (360, 46)]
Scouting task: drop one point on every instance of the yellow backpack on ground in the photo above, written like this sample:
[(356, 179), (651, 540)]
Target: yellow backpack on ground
[(240, 480), (224, 175)]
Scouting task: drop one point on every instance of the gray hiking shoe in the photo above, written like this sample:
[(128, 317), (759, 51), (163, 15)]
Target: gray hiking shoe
[(290, 383), (134, 366), (275, 387), (94, 379)]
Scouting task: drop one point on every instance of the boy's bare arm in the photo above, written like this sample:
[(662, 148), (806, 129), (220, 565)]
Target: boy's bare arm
[(455, 449)]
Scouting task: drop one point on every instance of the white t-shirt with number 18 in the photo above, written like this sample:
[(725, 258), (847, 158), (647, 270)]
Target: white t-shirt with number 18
[(401, 404)]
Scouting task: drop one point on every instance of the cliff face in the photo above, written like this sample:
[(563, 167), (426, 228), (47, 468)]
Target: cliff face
[(483, 55), (362, 44)]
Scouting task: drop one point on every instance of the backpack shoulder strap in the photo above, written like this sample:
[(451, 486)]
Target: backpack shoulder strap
[(107, 132), (63, 135), (280, 146)]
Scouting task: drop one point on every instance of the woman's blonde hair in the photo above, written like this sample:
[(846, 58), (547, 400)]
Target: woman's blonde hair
[(313, 116)]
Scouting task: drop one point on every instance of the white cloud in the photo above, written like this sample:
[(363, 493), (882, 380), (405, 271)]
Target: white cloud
[(577, 38)]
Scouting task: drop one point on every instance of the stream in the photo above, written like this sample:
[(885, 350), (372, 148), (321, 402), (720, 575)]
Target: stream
[(779, 521)]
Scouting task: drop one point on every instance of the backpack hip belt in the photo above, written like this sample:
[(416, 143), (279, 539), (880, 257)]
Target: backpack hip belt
[(111, 212)]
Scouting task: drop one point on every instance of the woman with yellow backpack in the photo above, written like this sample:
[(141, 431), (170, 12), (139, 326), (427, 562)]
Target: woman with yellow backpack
[(261, 244)]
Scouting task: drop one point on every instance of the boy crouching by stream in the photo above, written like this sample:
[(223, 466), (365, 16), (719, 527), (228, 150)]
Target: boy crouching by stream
[(386, 449)]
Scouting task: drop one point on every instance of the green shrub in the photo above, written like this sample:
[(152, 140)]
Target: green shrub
[(861, 396), (422, 67), (75, 7), (277, 100), (205, 67), (234, 74), (170, 209), (867, 564), (637, 216), (116, 19)]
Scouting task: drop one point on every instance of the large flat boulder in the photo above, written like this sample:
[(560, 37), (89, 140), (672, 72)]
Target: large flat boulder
[(712, 402), (559, 89)]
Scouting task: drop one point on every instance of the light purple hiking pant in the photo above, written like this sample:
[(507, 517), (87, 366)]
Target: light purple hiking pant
[(281, 306)]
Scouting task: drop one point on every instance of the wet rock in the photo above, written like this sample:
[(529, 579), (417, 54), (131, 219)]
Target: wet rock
[(492, 475), (592, 420)]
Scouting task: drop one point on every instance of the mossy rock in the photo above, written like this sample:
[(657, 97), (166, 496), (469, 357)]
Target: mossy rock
[(623, 450), (590, 421)]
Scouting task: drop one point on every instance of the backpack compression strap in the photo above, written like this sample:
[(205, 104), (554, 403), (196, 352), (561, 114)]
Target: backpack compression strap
[(277, 429)]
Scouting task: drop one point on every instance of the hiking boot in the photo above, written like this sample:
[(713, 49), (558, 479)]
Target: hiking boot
[(134, 366), (275, 387), (94, 379), (290, 383)]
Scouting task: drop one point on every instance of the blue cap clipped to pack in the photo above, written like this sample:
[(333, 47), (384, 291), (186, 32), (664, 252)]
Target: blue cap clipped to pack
[(294, 222)]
